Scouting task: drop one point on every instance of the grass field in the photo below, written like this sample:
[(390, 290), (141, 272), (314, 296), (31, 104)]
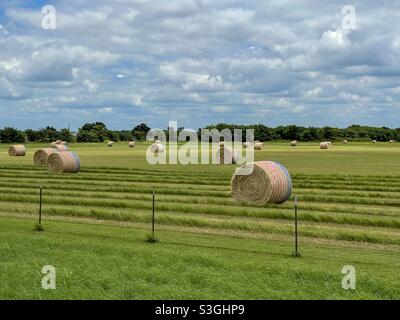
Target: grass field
[(210, 246)]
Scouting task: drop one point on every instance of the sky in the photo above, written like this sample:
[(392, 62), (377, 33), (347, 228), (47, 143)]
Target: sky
[(199, 62)]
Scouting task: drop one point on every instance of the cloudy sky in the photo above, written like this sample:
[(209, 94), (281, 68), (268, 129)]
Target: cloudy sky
[(199, 62)]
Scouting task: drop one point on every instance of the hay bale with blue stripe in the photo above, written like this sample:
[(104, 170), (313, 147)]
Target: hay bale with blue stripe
[(63, 162), (261, 183)]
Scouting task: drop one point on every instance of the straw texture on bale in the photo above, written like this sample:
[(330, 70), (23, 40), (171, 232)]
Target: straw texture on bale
[(258, 146), (293, 143), (157, 148), (60, 147), (226, 155), (110, 143), (18, 150), (131, 144), (268, 183), (41, 155), (324, 145), (60, 162)]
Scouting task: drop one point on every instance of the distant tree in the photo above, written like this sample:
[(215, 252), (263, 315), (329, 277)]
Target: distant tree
[(140, 131), (10, 135)]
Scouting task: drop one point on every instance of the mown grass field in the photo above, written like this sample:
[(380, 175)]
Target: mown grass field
[(210, 246)]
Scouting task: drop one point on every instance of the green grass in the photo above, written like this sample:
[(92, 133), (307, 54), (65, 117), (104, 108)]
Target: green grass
[(209, 246)]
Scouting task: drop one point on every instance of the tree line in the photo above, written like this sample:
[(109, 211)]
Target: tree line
[(98, 132)]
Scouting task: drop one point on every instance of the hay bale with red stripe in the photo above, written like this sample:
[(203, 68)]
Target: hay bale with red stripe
[(17, 150), (261, 183), (41, 155), (63, 162)]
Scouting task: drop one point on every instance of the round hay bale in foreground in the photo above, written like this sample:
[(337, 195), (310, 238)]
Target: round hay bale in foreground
[(17, 150), (293, 143), (131, 144), (226, 155), (157, 148), (268, 182), (110, 143), (60, 147), (58, 141), (258, 146), (60, 162), (324, 145), (41, 155)]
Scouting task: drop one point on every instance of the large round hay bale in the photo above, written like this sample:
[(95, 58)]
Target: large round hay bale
[(345, 141), (268, 182), (41, 155), (60, 147), (17, 150), (258, 146), (60, 162), (110, 143), (293, 143), (226, 155), (131, 144), (392, 141), (324, 145), (58, 141), (157, 148)]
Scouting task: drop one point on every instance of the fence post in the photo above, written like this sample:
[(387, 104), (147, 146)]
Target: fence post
[(296, 253)]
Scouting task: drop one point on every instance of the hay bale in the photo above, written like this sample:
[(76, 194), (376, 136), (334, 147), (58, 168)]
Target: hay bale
[(58, 141), (41, 155), (268, 182), (345, 141), (60, 162), (374, 141), (258, 146), (110, 143), (60, 147), (248, 144), (65, 143), (157, 148), (226, 155), (392, 141), (293, 143), (17, 150), (324, 145), (131, 144)]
